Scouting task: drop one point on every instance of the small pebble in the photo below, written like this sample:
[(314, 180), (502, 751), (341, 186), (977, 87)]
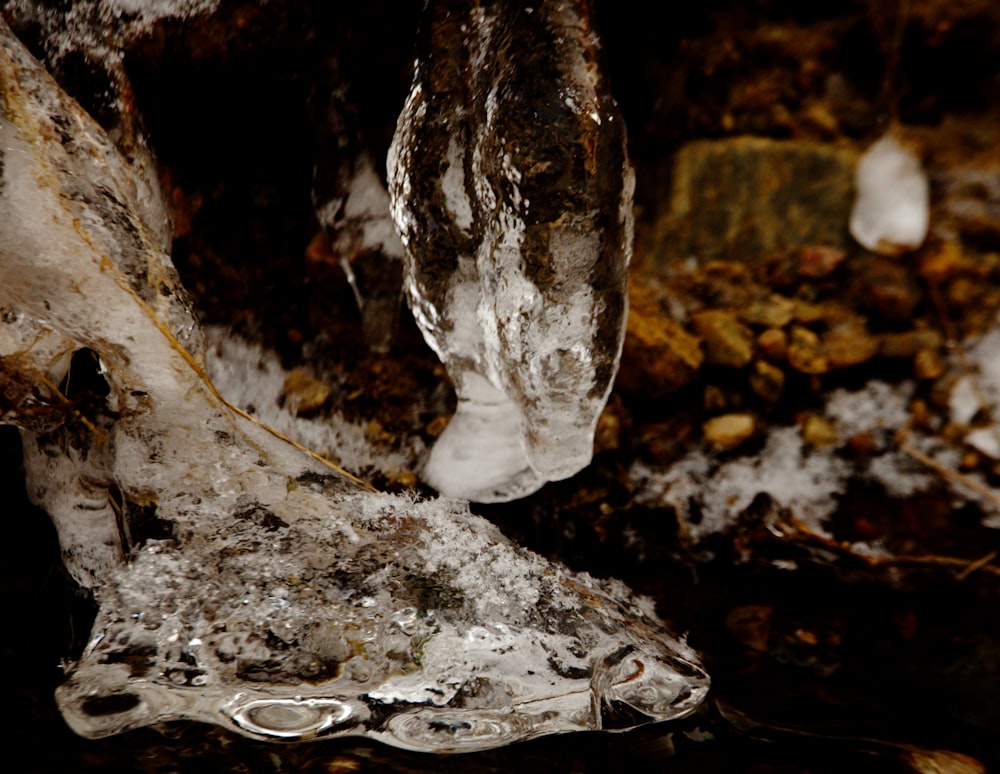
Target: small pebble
[(805, 352), (727, 342), (773, 344), (849, 346), (818, 431), (929, 364), (909, 344), (767, 381), (773, 312), (819, 261), (729, 431), (304, 393)]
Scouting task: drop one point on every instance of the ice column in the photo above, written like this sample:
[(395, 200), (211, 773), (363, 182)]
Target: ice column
[(512, 191)]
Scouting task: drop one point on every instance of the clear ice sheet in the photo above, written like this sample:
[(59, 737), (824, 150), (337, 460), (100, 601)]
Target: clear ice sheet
[(240, 580), (413, 623), (512, 192)]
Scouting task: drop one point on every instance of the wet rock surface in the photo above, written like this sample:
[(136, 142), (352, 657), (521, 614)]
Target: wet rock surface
[(778, 195)]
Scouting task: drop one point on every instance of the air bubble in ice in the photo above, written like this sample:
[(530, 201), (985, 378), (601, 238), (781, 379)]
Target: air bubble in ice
[(457, 731), (291, 718)]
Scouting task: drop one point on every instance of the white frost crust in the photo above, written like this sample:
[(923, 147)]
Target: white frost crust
[(891, 211), (252, 378), (979, 389), (879, 407), (797, 479), (804, 481), (979, 392)]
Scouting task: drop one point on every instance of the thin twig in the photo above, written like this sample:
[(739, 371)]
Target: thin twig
[(803, 532), (977, 565), (948, 473)]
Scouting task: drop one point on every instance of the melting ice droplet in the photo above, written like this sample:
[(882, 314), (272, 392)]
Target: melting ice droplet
[(512, 192), (892, 208)]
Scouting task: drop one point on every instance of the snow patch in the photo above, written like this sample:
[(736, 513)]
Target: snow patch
[(802, 481), (891, 212)]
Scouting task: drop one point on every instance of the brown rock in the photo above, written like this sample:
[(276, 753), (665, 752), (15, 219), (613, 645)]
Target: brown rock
[(819, 261), (729, 431), (303, 393), (436, 426), (943, 264), (610, 426), (773, 344), (910, 343), (805, 352), (714, 398), (767, 381), (773, 312), (818, 431), (401, 480), (810, 313), (963, 291), (659, 355), (891, 290), (849, 345), (727, 341), (928, 364), (751, 197)]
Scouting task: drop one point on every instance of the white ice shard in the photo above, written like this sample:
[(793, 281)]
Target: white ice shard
[(512, 192), (239, 579), (891, 209), (352, 205)]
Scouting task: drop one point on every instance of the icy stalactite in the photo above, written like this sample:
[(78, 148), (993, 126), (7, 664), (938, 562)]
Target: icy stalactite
[(512, 191), (239, 579)]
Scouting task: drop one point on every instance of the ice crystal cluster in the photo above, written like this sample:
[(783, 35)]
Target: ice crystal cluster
[(513, 195), (240, 580)]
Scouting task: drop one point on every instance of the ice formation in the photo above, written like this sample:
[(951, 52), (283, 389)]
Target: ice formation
[(239, 579), (891, 208), (512, 192), (352, 204)]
